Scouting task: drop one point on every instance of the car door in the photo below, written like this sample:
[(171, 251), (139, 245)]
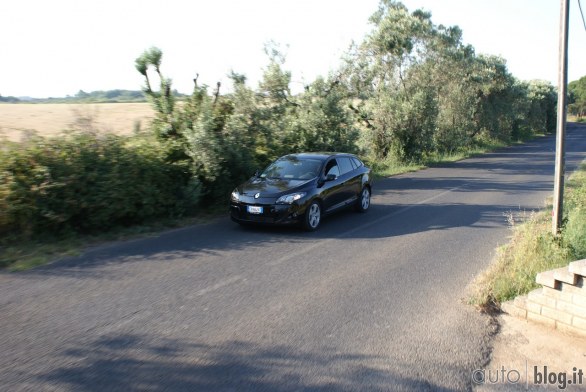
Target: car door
[(351, 181), (332, 193)]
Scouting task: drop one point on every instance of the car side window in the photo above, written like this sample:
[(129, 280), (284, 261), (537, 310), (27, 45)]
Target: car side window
[(345, 165), (357, 162), (332, 168)]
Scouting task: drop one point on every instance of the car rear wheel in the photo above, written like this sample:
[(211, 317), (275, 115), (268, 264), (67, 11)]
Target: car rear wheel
[(312, 217), (363, 202)]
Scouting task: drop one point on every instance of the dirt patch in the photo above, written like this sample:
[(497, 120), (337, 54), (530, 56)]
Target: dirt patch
[(528, 356)]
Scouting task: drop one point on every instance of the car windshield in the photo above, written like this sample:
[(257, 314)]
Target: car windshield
[(292, 168)]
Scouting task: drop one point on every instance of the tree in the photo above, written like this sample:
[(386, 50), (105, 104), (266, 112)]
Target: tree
[(81, 94), (323, 121), (541, 114), (577, 92), (275, 107), (202, 135), (9, 99), (393, 97), (163, 100), (418, 90)]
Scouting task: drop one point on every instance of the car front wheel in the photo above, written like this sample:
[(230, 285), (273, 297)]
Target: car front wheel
[(363, 202), (312, 217)]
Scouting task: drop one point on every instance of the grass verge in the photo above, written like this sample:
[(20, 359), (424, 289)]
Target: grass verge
[(533, 248), (391, 167)]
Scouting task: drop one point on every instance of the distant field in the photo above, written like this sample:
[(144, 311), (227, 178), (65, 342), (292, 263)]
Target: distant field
[(52, 118)]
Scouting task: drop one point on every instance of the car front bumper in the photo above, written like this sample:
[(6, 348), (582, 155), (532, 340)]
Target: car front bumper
[(272, 214)]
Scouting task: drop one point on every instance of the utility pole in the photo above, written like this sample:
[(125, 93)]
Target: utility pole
[(558, 190)]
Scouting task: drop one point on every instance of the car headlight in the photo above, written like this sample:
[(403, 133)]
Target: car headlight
[(235, 196), (288, 199)]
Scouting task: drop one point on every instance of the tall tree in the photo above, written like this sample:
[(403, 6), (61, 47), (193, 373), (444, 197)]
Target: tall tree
[(323, 121), (393, 99), (577, 91), (162, 99)]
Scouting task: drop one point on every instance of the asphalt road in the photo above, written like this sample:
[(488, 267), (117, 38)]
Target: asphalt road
[(369, 302)]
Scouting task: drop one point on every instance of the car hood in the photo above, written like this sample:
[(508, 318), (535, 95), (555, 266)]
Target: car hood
[(271, 187)]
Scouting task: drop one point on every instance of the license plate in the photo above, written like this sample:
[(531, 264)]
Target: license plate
[(254, 210)]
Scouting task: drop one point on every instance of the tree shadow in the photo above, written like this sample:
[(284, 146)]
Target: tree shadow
[(383, 220), (130, 362), (223, 235), (468, 176)]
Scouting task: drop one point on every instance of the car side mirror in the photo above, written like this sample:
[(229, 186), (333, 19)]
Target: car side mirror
[(331, 177)]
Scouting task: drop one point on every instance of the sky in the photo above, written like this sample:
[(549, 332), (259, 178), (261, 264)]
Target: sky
[(56, 48)]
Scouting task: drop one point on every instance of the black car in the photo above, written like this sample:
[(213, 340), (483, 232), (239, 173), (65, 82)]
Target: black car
[(302, 188)]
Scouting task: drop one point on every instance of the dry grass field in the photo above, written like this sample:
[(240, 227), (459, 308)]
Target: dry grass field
[(51, 119)]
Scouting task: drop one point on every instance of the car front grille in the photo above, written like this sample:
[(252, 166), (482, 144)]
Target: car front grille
[(270, 214)]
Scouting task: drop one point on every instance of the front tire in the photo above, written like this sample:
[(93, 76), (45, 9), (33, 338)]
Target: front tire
[(312, 217), (363, 202)]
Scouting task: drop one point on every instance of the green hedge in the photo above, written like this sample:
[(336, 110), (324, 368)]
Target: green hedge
[(88, 183)]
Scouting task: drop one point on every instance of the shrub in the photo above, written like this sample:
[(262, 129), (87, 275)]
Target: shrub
[(574, 230), (575, 233), (87, 183)]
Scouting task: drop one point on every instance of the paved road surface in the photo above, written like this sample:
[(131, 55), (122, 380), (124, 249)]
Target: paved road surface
[(369, 302)]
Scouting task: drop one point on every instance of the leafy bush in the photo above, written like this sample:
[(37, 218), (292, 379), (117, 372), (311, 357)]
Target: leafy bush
[(86, 183), (575, 233), (224, 138)]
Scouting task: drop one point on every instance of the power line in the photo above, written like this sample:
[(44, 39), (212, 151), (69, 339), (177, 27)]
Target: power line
[(582, 13)]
